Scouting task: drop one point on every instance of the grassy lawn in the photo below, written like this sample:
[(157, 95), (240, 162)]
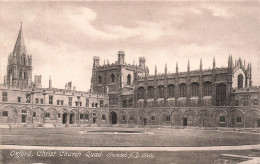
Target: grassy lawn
[(105, 136)]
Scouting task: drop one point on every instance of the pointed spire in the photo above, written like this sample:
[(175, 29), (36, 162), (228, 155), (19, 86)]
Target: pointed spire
[(19, 47), (214, 63), (177, 68), (201, 64), (188, 65), (155, 70), (165, 71)]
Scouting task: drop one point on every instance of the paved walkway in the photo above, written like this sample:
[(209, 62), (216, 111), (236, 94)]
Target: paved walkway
[(210, 148)]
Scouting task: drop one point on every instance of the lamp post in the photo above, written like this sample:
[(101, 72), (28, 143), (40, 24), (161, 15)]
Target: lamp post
[(78, 111), (44, 94), (32, 93)]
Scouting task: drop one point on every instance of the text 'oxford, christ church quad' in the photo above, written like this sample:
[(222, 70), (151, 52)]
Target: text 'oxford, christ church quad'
[(127, 94)]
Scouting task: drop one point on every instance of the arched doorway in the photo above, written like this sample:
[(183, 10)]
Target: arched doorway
[(64, 118), (72, 118), (185, 121), (113, 117)]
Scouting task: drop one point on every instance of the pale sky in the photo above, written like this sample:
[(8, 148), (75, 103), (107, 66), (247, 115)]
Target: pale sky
[(63, 37)]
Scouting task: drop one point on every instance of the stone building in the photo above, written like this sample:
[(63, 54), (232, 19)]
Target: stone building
[(24, 101), (127, 94), (204, 97)]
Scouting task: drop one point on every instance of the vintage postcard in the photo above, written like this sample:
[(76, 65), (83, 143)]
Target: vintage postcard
[(129, 82)]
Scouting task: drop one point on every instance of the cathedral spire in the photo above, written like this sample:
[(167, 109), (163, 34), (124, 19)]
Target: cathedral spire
[(19, 47), (155, 70)]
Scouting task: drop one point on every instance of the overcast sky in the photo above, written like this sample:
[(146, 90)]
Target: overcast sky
[(63, 37)]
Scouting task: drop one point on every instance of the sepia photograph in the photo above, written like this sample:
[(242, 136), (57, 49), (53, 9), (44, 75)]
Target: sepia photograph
[(163, 82)]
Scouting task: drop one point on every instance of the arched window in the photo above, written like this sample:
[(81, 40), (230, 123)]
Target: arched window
[(194, 89), (161, 91), (99, 79), (24, 61), (207, 88), (140, 93), (171, 91), (221, 95), (129, 79), (112, 77), (25, 75), (150, 93), (240, 79), (20, 75), (182, 90)]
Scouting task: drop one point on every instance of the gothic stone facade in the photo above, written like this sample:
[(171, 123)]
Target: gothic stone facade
[(205, 97), (126, 94), (25, 102)]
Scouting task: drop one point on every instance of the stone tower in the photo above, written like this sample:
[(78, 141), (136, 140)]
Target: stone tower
[(19, 68)]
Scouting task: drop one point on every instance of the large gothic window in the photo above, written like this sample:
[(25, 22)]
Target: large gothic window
[(240, 79), (207, 89), (129, 79), (99, 79), (221, 95), (140, 93), (161, 91), (112, 78), (150, 92), (194, 90), (182, 90), (170, 91)]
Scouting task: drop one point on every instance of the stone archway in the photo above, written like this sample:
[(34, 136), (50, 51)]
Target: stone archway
[(64, 118), (113, 117), (72, 118)]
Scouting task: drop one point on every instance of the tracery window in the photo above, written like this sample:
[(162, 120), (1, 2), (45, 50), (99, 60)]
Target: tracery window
[(171, 91), (221, 95), (182, 90), (140, 93), (161, 91), (150, 93), (194, 90), (207, 89)]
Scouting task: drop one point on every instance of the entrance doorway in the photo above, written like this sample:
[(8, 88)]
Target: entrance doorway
[(64, 118), (94, 120), (23, 118), (185, 121), (72, 118), (145, 121), (113, 117)]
